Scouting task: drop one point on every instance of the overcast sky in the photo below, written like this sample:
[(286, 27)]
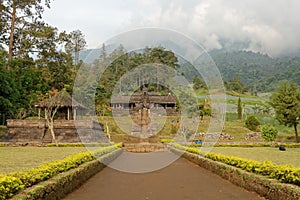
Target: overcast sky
[(270, 26)]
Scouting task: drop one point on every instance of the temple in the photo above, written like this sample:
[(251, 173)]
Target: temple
[(68, 126), (156, 102)]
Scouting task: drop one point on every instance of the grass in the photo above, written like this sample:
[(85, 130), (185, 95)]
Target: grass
[(22, 158), (233, 127), (290, 156)]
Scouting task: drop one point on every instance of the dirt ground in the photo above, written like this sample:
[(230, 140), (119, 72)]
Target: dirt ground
[(182, 180)]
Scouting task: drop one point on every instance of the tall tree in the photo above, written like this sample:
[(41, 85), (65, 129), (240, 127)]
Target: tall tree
[(239, 109), (286, 102), (75, 44), (9, 94), (18, 15)]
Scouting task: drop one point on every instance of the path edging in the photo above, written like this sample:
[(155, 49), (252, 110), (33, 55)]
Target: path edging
[(264, 186), (60, 185)]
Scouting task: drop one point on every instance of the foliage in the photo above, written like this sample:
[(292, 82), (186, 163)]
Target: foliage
[(269, 132), (75, 44), (9, 186), (118, 63), (236, 85), (34, 62), (252, 123), (198, 83), (239, 109), (257, 71), (19, 17), (166, 141), (286, 103), (16, 181), (283, 173)]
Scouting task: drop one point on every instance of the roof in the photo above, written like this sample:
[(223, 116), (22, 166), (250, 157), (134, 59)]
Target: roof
[(138, 98), (61, 99)]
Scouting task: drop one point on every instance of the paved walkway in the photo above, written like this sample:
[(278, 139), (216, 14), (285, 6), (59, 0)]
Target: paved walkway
[(182, 180)]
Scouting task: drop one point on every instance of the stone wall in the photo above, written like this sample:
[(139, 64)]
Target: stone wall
[(66, 131)]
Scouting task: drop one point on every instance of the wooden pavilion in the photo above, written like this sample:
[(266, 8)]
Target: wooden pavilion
[(67, 106)]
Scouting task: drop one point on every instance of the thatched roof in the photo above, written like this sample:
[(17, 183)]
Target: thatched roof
[(62, 99)]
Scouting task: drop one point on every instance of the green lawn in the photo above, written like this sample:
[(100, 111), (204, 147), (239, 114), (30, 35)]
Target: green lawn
[(20, 158), (290, 156)]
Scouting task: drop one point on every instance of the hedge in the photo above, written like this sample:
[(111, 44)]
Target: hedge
[(283, 173), (288, 145), (166, 141), (79, 145), (15, 182)]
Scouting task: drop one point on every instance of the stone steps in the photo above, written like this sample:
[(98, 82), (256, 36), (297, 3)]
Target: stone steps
[(144, 147)]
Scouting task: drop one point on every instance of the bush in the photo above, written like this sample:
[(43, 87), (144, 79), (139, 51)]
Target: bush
[(9, 186), (252, 123), (166, 141), (269, 132)]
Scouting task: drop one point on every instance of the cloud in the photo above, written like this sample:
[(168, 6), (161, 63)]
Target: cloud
[(270, 26)]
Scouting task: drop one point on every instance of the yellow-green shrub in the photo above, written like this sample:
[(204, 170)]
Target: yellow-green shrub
[(164, 141), (9, 186)]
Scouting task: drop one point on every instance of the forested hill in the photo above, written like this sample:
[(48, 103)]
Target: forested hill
[(259, 72)]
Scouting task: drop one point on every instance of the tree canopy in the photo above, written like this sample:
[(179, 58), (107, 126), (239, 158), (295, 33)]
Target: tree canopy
[(286, 103)]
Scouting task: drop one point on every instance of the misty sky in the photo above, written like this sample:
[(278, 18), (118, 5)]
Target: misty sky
[(269, 26)]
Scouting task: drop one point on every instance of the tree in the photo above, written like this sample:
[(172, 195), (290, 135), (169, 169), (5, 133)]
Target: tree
[(239, 109), (9, 94), (286, 103), (269, 132), (252, 123), (198, 83), (237, 85), (51, 104), (75, 44), (18, 15)]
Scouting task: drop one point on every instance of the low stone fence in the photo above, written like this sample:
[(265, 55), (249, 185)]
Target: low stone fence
[(66, 131), (62, 184), (269, 188)]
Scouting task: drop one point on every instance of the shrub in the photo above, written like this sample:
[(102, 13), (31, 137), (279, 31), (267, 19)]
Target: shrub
[(9, 186), (252, 123), (166, 141), (269, 132)]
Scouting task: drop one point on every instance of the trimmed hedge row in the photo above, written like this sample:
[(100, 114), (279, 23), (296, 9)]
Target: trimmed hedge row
[(79, 145), (283, 173), (15, 182), (292, 145)]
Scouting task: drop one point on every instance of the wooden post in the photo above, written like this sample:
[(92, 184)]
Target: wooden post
[(39, 113), (68, 115), (45, 113), (74, 116)]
